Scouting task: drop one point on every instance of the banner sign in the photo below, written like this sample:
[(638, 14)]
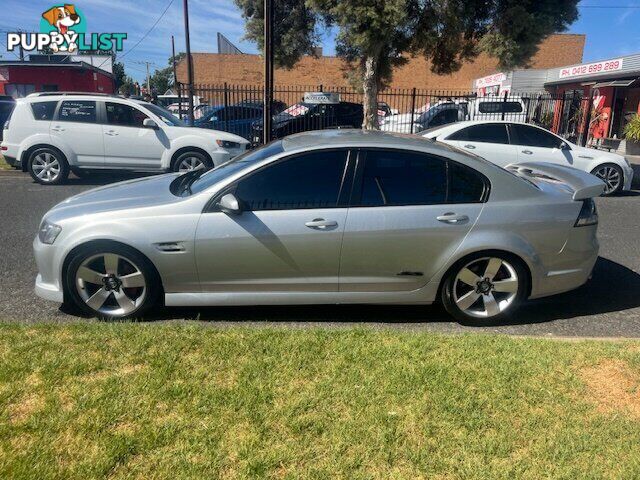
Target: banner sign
[(591, 68), (321, 97), (495, 79)]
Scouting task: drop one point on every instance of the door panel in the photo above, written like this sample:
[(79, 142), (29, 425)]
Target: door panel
[(76, 126), (271, 250)]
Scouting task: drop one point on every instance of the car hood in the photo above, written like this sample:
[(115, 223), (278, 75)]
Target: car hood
[(207, 134), (136, 193)]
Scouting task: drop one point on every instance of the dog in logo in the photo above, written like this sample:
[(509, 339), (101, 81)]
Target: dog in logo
[(62, 18)]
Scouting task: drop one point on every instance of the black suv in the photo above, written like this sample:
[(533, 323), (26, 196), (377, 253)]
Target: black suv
[(311, 116), (6, 107)]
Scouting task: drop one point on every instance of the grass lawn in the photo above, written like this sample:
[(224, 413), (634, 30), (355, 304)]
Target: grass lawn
[(145, 401)]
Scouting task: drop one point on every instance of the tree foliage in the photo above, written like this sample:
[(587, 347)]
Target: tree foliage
[(375, 36)]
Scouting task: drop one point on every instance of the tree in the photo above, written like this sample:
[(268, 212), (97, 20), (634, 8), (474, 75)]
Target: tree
[(375, 36), (162, 80)]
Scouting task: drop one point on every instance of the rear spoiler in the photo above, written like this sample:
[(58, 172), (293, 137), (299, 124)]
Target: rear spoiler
[(582, 184)]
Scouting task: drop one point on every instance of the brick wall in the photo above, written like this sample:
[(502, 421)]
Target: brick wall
[(213, 68)]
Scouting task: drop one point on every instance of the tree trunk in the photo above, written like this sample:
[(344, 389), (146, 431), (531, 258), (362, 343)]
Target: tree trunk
[(370, 91)]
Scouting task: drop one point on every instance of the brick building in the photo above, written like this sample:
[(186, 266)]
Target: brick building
[(245, 69)]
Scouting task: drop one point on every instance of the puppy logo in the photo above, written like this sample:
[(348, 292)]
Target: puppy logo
[(63, 18)]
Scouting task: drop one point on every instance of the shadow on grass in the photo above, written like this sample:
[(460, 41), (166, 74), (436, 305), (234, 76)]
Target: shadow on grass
[(613, 288)]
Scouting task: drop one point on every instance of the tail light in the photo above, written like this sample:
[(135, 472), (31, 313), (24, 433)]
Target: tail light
[(588, 214)]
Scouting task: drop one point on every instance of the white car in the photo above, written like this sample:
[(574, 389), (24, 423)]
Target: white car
[(49, 135), (505, 143)]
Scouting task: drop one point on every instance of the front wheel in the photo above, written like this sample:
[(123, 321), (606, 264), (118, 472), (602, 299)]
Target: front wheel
[(485, 289), (112, 282), (188, 161), (48, 166), (612, 176)]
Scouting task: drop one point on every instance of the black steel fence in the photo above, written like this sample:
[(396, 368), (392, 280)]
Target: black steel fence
[(238, 109)]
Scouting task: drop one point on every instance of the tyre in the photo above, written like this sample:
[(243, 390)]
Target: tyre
[(485, 288), (192, 160), (112, 282), (612, 176), (48, 166)]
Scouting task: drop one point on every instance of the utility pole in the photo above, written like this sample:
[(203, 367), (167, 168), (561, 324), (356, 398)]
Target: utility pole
[(173, 60), (189, 60), (148, 80), (268, 71)]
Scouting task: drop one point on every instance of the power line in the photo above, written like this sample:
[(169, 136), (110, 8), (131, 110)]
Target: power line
[(609, 6)]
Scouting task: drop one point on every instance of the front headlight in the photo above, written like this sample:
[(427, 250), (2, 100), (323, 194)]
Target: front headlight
[(227, 144), (48, 232)]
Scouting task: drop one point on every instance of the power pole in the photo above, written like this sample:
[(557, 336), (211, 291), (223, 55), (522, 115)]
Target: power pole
[(268, 71), (173, 60), (148, 80), (189, 60)]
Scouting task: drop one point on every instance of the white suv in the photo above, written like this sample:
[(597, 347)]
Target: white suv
[(51, 134)]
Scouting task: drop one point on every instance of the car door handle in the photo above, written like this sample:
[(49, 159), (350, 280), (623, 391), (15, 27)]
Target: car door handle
[(527, 152), (451, 217), (470, 147), (57, 129), (111, 133), (321, 223)]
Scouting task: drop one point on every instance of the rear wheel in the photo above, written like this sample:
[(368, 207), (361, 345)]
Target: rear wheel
[(112, 282), (48, 166), (612, 176), (193, 160), (485, 289)]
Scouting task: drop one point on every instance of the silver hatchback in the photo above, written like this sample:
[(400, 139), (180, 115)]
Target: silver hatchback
[(341, 216)]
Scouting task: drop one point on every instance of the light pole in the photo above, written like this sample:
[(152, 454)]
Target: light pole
[(189, 61), (173, 61), (268, 71)]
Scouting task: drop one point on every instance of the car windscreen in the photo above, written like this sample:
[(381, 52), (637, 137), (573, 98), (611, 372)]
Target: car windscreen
[(165, 115), (227, 169)]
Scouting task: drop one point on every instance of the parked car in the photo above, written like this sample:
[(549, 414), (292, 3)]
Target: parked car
[(311, 116), (493, 107), (6, 107), (50, 134), (341, 216), (505, 143), (441, 113), (236, 119)]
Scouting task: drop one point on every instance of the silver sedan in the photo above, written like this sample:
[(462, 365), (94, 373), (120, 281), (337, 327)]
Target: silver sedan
[(341, 216)]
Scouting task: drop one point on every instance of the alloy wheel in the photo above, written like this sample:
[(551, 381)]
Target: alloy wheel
[(610, 176), (485, 287), (46, 167), (111, 284), (188, 164)]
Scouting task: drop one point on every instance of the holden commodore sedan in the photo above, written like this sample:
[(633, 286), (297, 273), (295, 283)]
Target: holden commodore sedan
[(341, 216)]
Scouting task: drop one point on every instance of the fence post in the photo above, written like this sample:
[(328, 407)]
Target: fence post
[(587, 124), (179, 101), (504, 105), (226, 104), (562, 124), (413, 107)]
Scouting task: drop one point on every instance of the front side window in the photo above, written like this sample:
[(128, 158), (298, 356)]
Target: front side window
[(310, 180), (124, 115), (483, 133), (43, 110), (533, 137), (403, 178), (81, 111), (165, 115)]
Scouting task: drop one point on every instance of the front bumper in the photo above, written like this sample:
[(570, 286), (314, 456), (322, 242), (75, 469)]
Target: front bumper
[(48, 283)]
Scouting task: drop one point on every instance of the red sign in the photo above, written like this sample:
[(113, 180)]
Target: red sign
[(591, 68), (495, 79)]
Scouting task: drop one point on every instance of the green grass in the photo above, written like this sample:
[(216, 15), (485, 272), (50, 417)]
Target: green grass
[(145, 401)]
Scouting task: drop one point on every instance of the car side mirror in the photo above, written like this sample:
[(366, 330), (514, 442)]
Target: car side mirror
[(229, 204), (148, 123)]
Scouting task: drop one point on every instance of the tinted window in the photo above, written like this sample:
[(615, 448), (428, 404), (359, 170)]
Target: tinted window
[(124, 115), (5, 111), (499, 107), (533, 137), (83, 111), (43, 110), (403, 178), (465, 185), (483, 133), (444, 117), (307, 181)]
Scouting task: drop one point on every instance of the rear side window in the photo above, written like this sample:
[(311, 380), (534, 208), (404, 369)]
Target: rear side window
[(43, 110), (533, 137), (483, 133), (465, 185), (500, 107), (81, 111), (403, 178)]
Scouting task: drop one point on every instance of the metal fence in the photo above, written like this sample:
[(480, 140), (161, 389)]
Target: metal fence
[(238, 109)]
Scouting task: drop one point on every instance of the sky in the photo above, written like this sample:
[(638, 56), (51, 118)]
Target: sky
[(611, 31)]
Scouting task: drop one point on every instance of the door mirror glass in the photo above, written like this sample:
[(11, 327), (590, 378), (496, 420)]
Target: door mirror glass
[(148, 123), (229, 204)]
